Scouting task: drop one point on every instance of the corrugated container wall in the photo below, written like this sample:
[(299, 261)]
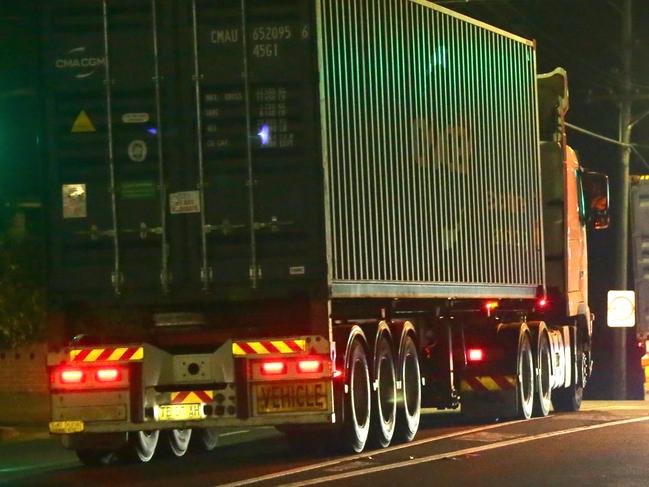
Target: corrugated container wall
[(432, 153), (240, 149)]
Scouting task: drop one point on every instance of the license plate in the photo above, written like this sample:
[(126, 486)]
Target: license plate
[(66, 427), (180, 412), (293, 397)]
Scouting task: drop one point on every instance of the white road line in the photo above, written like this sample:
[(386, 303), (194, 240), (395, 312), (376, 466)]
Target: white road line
[(26, 468), (233, 433), (614, 408), (315, 466), (458, 453)]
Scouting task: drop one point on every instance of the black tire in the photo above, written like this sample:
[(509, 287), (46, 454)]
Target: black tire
[(409, 410), (141, 446), (204, 439), (543, 375), (358, 401), (384, 397), (568, 399), (96, 458), (525, 376), (177, 441)]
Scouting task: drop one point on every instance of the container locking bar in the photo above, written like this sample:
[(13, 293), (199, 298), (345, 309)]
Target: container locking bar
[(162, 230), (206, 270), (116, 277), (255, 275)]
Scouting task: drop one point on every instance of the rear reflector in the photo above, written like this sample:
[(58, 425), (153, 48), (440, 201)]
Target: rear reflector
[(476, 355), (108, 375), (309, 366), (72, 376), (273, 368)]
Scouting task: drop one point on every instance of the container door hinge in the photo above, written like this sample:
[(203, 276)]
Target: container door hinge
[(165, 280), (206, 276), (117, 280), (255, 273)]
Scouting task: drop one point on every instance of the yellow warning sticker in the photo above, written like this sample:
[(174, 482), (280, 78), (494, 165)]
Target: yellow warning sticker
[(83, 124)]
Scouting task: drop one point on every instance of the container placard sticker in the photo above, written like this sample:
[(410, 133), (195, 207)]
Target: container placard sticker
[(74, 201), (184, 202), (135, 118), (82, 124), (137, 150), (298, 270), (138, 190)]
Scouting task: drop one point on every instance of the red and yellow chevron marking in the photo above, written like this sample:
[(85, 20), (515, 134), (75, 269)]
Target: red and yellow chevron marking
[(192, 397), (267, 347), (122, 354), (488, 383)]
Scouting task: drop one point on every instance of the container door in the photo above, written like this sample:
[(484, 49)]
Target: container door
[(108, 170), (184, 152), (254, 87)]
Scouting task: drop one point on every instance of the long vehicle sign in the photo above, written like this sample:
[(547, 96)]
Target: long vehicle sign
[(291, 397)]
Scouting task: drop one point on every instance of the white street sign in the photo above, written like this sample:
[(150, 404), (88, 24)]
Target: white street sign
[(621, 309)]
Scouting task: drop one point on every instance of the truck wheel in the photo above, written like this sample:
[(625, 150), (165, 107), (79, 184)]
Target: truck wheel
[(409, 411), (542, 388), (141, 445), (384, 397), (568, 399), (96, 458), (358, 400), (205, 439), (178, 441), (525, 376)]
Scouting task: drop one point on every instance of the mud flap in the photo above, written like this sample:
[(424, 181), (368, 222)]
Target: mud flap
[(489, 389)]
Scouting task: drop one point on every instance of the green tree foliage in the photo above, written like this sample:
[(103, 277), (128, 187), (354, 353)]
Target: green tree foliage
[(22, 290)]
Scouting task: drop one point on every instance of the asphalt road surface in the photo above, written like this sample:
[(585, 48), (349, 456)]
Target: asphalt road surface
[(605, 444)]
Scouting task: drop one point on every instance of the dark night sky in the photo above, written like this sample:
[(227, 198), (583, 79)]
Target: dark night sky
[(582, 36)]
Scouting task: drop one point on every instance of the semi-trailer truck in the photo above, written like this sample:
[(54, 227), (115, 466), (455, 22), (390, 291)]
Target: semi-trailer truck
[(317, 215)]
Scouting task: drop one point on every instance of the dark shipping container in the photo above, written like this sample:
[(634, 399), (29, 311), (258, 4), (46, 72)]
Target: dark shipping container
[(204, 151)]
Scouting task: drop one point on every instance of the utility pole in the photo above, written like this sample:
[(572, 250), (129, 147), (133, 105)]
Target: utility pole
[(621, 210)]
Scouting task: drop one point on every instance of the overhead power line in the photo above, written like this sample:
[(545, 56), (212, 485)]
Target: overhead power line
[(633, 147)]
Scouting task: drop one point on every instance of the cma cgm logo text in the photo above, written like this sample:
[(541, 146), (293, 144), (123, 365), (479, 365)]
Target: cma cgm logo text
[(76, 59)]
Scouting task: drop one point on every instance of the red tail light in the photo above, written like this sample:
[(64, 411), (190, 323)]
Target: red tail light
[(491, 305), (108, 375), (72, 376), (542, 302), (338, 374), (273, 368), (476, 355), (309, 366)]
